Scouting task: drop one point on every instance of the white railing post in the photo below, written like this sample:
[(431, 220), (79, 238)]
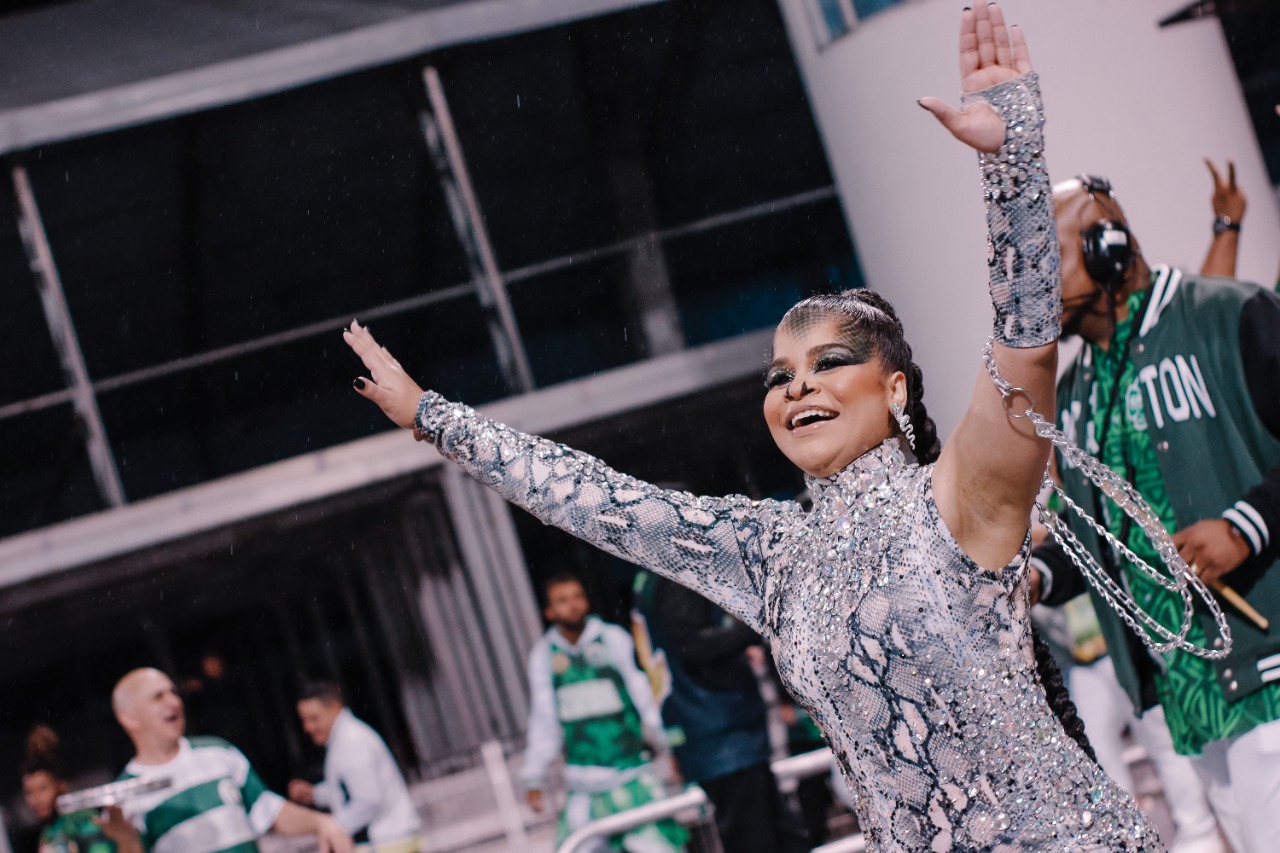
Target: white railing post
[(504, 794)]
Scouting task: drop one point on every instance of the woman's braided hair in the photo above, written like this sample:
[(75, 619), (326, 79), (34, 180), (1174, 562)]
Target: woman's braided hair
[(867, 312), (1056, 694), (864, 311)]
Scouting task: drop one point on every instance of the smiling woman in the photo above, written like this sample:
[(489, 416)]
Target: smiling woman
[(897, 609), (844, 357)]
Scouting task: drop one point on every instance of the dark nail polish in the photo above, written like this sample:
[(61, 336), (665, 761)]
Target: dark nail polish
[(359, 384)]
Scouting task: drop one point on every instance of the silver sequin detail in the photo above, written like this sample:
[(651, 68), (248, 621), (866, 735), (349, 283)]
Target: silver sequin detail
[(1022, 252), (916, 663)]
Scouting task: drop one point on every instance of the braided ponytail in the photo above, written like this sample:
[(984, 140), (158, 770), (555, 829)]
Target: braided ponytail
[(1056, 694), (927, 444)]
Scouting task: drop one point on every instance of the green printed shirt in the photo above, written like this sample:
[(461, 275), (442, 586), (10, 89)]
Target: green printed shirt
[(1196, 708), (215, 803)]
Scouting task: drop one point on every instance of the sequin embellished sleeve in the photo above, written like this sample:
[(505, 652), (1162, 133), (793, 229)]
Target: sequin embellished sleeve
[(711, 545), (1022, 249)]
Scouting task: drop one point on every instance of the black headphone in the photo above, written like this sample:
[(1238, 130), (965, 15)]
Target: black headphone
[(1107, 244)]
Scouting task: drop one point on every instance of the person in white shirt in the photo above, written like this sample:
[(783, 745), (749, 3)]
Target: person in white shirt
[(214, 801), (362, 787)]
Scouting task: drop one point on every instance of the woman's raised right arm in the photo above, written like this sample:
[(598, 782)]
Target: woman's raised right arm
[(711, 545)]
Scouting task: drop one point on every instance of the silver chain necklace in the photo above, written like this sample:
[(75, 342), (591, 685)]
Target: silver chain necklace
[(1179, 577)]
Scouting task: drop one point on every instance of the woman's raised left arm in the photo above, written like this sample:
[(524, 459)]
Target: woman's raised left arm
[(990, 470)]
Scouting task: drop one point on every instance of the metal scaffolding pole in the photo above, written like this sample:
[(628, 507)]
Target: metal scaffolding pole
[(464, 210), (58, 316)]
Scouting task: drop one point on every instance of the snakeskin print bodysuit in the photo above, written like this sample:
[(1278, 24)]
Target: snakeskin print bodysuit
[(916, 663)]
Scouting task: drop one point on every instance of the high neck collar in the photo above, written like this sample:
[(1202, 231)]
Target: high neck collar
[(872, 469)]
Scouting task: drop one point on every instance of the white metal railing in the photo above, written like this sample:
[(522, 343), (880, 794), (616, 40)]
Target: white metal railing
[(691, 798), (856, 843), (792, 767), (803, 765)]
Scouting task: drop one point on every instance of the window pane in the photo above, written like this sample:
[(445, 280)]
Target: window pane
[(867, 8), (281, 402), (745, 276), (575, 321), (210, 230), (47, 477), (31, 364), (833, 16), (522, 120)]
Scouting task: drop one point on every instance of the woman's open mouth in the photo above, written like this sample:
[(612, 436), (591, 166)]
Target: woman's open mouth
[(810, 417)]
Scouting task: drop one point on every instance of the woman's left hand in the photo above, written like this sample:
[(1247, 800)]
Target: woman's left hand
[(990, 53)]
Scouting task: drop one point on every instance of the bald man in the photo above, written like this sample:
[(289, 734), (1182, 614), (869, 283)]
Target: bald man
[(1175, 389), (216, 802)]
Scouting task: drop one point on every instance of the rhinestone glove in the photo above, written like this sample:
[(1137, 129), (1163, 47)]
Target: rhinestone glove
[(1022, 247)]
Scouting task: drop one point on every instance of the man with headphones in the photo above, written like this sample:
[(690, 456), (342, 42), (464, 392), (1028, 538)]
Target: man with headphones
[(1175, 388)]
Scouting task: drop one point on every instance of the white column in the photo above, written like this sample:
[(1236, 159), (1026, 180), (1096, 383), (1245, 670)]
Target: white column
[(1125, 99)]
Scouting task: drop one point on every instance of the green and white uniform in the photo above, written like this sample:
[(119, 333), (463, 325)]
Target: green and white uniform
[(77, 832), (215, 804), (590, 703)]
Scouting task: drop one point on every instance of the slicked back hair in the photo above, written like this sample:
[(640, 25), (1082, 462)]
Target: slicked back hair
[(861, 314)]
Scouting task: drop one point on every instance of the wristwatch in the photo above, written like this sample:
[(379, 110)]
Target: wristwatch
[(1225, 223)]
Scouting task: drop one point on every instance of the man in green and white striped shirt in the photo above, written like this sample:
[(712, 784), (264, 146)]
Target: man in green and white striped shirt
[(215, 803)]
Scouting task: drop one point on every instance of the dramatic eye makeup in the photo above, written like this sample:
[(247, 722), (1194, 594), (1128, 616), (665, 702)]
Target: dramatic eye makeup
[(824, 357), (777, 376), (836, 355), (847, 344)]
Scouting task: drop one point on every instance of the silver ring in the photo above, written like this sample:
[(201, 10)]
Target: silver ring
[(1005, 397)]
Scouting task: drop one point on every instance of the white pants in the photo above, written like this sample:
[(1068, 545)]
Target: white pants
[(1106, 711), (1242, 777)]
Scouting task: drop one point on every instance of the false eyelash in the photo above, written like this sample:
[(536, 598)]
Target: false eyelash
[(830, 360), (773, 378)]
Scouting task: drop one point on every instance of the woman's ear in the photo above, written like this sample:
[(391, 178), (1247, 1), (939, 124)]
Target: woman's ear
[(898, 388)]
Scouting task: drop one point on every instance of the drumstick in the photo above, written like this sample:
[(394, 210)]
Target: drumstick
[(1236, 600)]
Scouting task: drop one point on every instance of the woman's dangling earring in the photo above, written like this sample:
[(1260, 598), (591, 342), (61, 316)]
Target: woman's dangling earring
[(904, 424)]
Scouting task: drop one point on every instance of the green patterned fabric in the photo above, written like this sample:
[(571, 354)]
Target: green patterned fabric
[(77, 832), (1194, 704), (601, 724), (664, 836)]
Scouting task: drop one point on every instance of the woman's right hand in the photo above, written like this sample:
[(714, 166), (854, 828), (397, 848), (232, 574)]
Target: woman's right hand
[(391, 388)]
